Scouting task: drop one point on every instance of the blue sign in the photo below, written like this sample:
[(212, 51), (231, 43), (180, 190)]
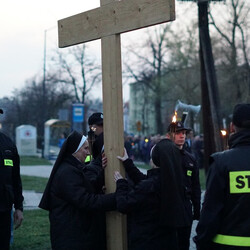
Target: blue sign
[(77, 112)]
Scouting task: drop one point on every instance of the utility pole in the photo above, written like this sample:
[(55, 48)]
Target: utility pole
[(209, 87)]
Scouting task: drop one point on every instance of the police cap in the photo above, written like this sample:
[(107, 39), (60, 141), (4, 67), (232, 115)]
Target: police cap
[(177, 126), (96, 118), (241, 115)]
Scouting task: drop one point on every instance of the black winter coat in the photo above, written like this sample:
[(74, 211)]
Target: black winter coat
[(226, 206), (77, 218), (10, 180), (192, 184), (142, 205), (94, 172)]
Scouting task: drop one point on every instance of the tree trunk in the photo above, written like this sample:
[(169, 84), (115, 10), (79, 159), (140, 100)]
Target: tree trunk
[(158, 114)]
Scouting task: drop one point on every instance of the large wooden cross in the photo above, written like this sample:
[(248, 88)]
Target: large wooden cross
[(107, 23)]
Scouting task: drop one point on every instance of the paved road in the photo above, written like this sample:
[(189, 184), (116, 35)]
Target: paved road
[(32, 199), (39, 171)]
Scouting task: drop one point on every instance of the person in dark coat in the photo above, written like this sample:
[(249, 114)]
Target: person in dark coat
[(225, 219), (154, 206), (95, 138), (10, 189), (188, 145), (95, 135), (177, 133), (76, 210)]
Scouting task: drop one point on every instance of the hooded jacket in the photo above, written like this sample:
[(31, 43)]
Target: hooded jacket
[(154, 206)]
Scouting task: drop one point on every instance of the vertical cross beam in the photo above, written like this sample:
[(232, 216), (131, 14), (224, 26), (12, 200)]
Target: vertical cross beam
[(108, 22), (113, 131)]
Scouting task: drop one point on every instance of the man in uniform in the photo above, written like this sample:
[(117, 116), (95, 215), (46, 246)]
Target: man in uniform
[(10, 189), (225, 219), (95, 134), (191, 183), (95, 139)]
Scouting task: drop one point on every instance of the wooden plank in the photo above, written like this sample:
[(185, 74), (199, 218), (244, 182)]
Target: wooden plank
[(116, 226), (114, 18), (112, 104), (113, 133)]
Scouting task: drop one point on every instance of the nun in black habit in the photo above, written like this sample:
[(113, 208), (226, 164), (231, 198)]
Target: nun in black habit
[(76, 211), (155, 205)]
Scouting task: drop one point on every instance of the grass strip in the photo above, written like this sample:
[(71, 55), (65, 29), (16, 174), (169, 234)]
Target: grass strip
[(37, 184), (34, 232), (33, 160)]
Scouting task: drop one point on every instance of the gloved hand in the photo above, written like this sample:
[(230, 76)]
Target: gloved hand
[(124, 157), (117, 176)]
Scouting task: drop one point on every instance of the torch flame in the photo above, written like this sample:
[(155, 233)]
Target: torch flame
[(223, 132), (174, 117)]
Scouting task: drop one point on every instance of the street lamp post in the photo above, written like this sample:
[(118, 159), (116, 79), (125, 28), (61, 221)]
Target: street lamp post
[(44, 103)]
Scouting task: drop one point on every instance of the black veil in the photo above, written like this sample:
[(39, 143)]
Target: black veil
[(69, 146), (167, 156)]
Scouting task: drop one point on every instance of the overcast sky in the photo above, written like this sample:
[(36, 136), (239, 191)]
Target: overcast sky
[(23, 24), (22, 36)]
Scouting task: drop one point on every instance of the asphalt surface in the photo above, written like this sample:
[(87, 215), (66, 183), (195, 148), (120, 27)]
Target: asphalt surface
[(32, 198)]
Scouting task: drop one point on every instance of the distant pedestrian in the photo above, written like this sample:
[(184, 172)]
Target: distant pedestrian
[(188, 145), (61, 139), (128, 145), (198, 150)]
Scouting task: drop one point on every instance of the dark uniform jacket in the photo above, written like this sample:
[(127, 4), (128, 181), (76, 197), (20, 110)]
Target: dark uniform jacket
[(225, 214), (77, 218), (192, 184), (10, 180), (95, 174), (142, 205)]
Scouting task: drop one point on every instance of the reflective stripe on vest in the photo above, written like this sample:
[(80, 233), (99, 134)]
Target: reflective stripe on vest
[(232, 240), (239, 182)]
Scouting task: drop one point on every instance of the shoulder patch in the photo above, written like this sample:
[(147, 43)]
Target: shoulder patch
[(239, 182), (8, 162), (189, 172)]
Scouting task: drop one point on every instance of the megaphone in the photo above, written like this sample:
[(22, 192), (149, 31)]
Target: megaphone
[(187, 107)]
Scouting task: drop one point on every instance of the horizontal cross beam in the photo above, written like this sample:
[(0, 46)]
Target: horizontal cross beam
[(114, 18), (200, 1)]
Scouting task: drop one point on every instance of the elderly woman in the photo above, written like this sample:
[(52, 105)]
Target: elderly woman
[(76, 210), (155, 204)]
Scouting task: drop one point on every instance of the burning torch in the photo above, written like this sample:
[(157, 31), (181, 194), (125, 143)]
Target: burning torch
[(224, 138), (173, 126)]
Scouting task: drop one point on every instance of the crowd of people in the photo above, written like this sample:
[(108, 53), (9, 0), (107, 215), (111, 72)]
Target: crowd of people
[(139, 147), (160, 205)]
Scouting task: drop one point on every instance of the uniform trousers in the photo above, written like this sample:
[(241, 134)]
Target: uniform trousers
[(183, 234), (5, 230)]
